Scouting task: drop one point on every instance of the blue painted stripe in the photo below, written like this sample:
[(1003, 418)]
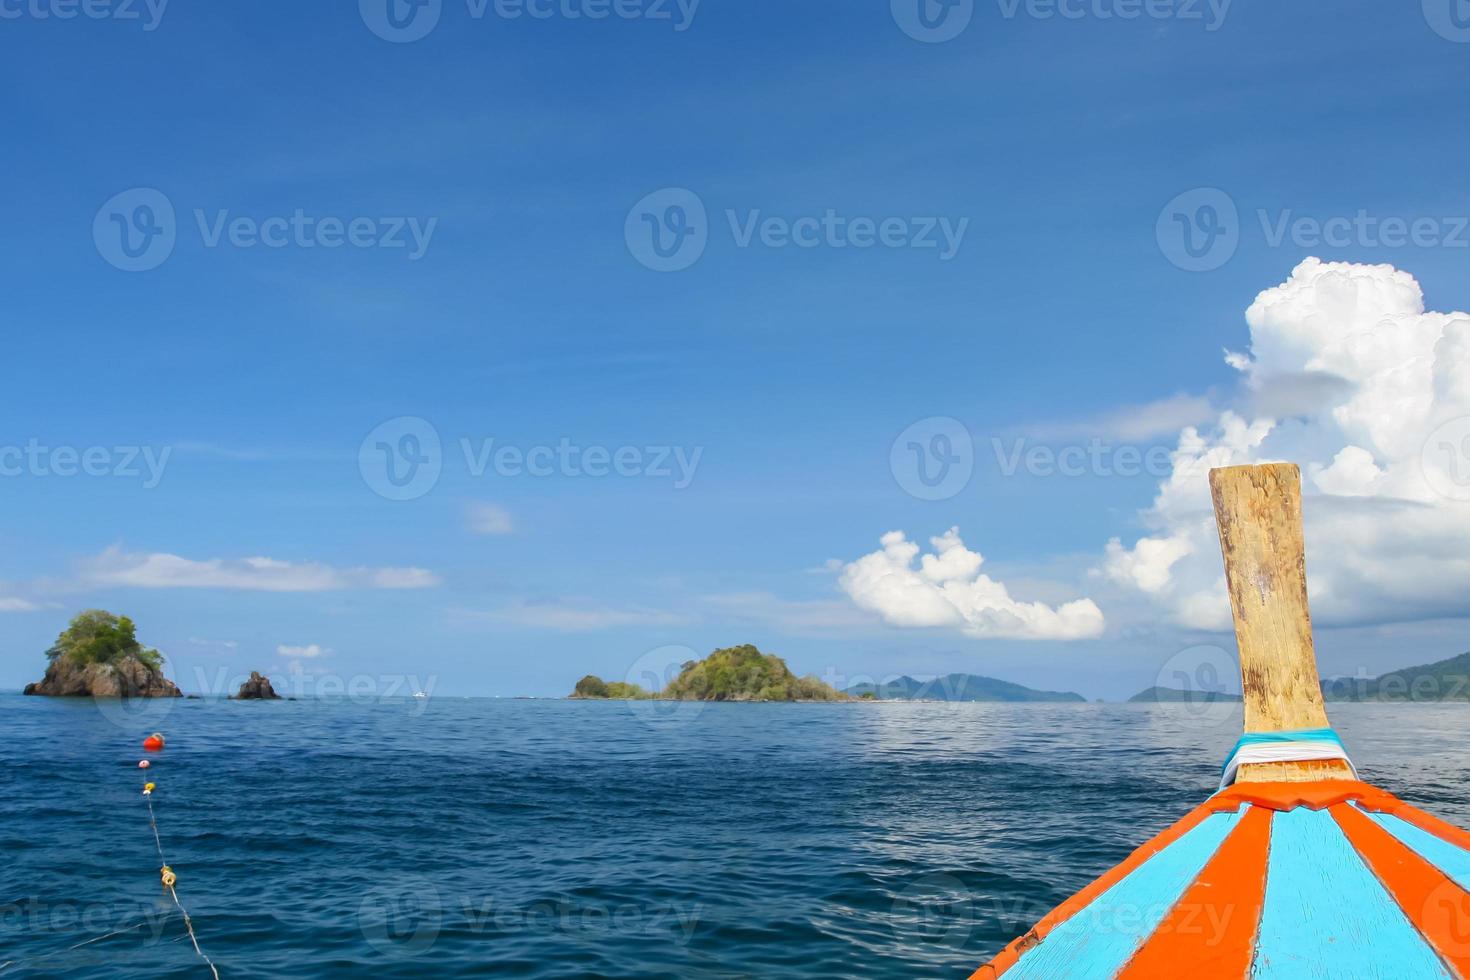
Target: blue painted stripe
[(1449, 858), (1327, 916), (1095, 943)]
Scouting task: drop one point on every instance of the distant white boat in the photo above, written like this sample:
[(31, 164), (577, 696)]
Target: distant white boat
[(419, 694)]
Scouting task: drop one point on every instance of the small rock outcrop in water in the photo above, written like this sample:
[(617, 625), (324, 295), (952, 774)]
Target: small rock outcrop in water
[(99, 656), (257, 688)]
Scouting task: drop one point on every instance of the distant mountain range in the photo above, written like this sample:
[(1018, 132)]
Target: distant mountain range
[(957, 687), (1170, 695), (1445, 680)]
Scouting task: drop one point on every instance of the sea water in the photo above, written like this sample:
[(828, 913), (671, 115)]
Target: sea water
[(508, 838)]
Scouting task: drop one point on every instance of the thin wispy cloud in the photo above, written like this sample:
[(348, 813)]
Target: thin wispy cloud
[(158, 570), (487, 518), (573, 616), (219, 646), (794, 615), (15, 604), (308, 652), (1132, 423), (255, 454)]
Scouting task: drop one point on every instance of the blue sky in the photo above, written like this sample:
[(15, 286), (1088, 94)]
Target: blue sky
[(521, 149)]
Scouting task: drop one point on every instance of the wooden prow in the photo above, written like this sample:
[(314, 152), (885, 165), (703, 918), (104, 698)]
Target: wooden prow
[(1259, 513)]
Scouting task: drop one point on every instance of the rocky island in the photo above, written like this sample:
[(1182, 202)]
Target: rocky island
[(257, 688), (98, 655), (740, 673)]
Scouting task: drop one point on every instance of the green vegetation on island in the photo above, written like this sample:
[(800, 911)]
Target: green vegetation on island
[(595, 688), (99, 637), (957, 687), (1444, 680), (739, 673), (99, 655)]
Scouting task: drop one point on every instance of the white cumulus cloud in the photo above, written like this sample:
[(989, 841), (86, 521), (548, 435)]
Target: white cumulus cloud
[(1354, 380), (164, 571), (947, 589)]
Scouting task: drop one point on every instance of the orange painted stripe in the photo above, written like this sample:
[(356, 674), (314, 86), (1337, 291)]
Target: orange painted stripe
[(1210, 933), (1313, 795), (1007, 957), (1438, 908), (1431, 824)]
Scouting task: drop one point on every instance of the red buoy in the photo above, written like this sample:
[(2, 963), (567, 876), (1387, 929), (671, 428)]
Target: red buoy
[(153, 743)]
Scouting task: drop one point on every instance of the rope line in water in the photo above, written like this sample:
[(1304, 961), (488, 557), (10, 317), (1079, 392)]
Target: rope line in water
[(169, 878)]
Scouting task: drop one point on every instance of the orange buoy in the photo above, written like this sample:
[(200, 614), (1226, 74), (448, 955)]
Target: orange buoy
[(153, 743)]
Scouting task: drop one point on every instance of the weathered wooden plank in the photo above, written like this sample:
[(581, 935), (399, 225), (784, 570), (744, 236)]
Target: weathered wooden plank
[(1258, 510)]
